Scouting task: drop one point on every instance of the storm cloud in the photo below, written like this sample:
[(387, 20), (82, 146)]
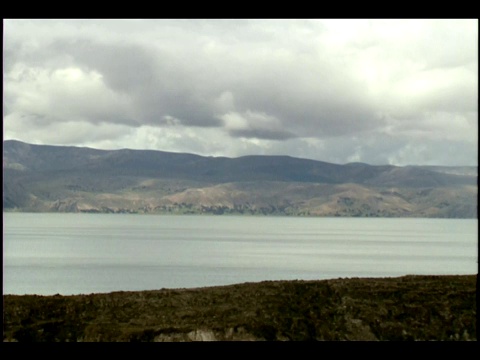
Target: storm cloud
[(376, 91)]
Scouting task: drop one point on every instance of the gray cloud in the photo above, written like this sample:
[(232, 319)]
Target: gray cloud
[(154, 81), (373, 90)]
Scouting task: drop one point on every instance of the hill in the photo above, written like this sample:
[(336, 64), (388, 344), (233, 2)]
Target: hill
[(71, 179)]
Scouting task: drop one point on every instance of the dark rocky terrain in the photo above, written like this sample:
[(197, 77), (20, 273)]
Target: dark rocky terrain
[(40, 178), (373, 309)]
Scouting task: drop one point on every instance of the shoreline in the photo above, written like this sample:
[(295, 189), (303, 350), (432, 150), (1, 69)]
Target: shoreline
[(347, 278)]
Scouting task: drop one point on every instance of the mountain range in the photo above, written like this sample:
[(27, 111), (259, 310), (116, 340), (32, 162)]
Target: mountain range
[(45, 178)]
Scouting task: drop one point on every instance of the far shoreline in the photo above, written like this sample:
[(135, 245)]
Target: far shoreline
[(13, 211)]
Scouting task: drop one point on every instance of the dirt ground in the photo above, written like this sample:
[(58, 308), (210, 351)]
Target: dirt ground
[(371, 309)]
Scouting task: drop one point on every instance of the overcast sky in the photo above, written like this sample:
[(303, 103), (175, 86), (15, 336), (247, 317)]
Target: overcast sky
[(400, 92)]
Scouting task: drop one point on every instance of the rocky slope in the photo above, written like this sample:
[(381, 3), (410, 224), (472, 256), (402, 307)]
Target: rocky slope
[(385, 309)]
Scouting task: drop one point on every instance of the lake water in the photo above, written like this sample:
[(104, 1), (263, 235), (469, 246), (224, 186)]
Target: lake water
[(68, 254)]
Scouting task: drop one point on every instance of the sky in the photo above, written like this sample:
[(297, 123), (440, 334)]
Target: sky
[(378, 91)]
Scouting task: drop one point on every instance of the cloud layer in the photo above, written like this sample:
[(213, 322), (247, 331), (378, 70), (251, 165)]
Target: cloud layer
[(376, 91)]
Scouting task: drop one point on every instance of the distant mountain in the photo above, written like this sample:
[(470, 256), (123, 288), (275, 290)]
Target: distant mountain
[(74, 179)]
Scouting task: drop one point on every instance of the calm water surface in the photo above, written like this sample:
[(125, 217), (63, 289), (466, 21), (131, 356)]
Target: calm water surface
[(90, 253)]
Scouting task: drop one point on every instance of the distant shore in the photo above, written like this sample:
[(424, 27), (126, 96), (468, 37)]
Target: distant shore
[(373, 309)]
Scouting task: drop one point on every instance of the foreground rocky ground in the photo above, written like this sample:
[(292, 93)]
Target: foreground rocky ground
[(403, 308)]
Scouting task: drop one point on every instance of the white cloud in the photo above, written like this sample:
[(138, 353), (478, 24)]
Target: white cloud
[(334, 90), (250, 120), (63, 95), (82, 133)]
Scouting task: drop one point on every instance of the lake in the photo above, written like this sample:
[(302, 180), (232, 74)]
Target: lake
[(52, 253)]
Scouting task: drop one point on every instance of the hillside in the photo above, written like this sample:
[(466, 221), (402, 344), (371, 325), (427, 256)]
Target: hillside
[(390, 309), (71, 179)]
